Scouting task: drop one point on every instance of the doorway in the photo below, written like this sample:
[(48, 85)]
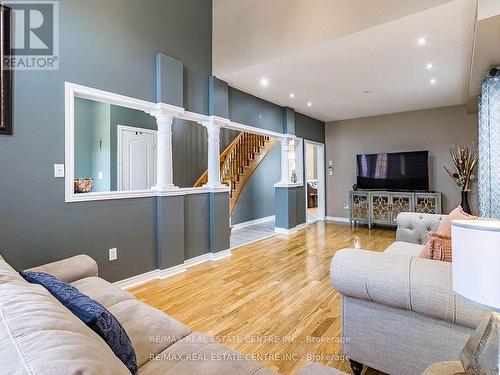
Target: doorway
[(314, 163), (136, 159)]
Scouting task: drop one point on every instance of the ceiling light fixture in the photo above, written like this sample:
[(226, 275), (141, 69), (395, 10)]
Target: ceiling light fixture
[(429, 66), (433, 81), (292, 95), (309, 104), (422, 41), (264, 82), (367, 91)]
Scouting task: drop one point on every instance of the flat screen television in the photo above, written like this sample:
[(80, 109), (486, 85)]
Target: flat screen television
[(406, 171)]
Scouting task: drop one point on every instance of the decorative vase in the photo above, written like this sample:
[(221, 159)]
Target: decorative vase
[(83, 185), (465, 202)]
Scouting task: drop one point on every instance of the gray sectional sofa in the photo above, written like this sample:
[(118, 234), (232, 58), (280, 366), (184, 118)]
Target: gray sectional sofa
[(399, 312), (39, 336)]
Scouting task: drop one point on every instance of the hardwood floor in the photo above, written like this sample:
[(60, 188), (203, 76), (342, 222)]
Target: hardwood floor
[(272, 298)]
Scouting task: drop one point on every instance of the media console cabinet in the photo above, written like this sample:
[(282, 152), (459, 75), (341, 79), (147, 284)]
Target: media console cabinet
[(382, 207)]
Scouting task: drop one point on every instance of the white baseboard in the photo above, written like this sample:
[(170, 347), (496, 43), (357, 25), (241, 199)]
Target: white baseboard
[(257, 240), (198, 260), (291, 230), (253, 222), (175, 270), (221, 254), (337, 219), (136, 280)]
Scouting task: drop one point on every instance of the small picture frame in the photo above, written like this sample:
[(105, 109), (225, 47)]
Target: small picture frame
[(5, 74)]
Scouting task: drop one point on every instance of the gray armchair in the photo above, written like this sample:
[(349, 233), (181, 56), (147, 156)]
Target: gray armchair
[(399, 312)]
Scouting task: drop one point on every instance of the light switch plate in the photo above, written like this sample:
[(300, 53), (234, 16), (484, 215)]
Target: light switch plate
[(59, 170), (113, 254)]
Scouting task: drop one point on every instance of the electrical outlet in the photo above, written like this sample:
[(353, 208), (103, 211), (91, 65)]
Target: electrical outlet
[(113, 254), (58, 170), (346, 206)]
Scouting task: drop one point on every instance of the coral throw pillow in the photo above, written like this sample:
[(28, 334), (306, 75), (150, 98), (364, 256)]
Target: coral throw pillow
[(438, 247), (458, 213)]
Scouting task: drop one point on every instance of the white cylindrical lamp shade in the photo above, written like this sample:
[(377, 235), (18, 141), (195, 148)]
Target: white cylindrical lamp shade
[(476, 261)]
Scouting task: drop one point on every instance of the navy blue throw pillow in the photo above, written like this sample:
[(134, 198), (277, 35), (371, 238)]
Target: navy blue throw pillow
[(92, 313)]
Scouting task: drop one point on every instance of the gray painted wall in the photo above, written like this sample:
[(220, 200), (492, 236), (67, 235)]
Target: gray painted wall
[(309, 128), (112, 49), (257, 198), (115, 50), (290, 203), (250, 110), (433, 129)]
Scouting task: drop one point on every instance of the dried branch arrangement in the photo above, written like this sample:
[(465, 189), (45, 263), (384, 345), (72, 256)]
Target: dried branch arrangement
[(465, 161)]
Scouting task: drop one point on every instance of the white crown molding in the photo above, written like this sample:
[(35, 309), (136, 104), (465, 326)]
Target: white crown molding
[(91, 93)]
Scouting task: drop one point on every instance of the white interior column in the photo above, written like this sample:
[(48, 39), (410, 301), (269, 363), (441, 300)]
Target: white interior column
[(285, 172), (213, 155), (164, 165)]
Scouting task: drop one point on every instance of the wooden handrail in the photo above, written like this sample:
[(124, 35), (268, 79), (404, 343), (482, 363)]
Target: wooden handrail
[(204, 177), (238, 162)]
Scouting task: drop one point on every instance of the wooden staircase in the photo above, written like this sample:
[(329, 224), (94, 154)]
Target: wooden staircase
[(238, 161)]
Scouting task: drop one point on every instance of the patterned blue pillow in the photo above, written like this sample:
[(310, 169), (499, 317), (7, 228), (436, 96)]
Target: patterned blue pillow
[(91, 313)]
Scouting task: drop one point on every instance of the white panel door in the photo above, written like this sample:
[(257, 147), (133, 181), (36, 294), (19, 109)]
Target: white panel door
[(137, 158)]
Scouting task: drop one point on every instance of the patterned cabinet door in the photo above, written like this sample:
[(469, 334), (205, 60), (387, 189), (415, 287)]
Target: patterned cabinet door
[(380, 204), (428, 203), (400, 202), (359, 204)]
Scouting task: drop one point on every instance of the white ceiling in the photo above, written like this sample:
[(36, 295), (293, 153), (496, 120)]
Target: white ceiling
[(384, 58)]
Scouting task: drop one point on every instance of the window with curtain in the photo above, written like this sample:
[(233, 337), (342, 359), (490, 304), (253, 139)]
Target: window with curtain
[(489, 148)]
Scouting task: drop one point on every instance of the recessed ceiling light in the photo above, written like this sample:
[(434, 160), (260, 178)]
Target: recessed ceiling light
[(309, 104), (264, 82), (429, 66), (292, 95), (367, 91), (422, 41), (433, 81)]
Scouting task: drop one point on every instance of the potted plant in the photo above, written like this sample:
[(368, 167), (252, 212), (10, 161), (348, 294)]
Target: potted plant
[(465, 161)]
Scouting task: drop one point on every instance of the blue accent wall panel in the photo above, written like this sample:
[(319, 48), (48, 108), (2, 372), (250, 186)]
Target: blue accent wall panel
[(170, 231), (219, 222), (290, 207), (288, 120), (196, 225), (218, 96), (309, 128), (251, 110), (257, 198), (169, 80)]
